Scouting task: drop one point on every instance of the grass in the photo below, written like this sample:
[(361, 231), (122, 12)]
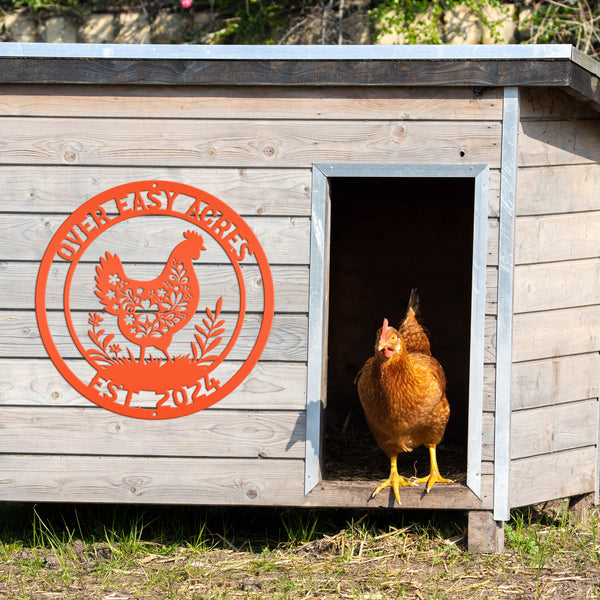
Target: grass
[(91, 552)]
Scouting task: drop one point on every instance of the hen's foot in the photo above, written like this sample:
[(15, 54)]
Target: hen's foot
[(433, 478), (394, 481), (434, 472)]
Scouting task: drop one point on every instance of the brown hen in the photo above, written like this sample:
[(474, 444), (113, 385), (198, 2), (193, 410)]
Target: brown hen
[(402, 389)]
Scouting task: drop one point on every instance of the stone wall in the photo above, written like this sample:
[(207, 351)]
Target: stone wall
[(351, 25)]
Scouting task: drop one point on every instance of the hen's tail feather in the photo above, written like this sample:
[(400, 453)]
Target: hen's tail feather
[(411, 330), (414, 301), (110, 266)]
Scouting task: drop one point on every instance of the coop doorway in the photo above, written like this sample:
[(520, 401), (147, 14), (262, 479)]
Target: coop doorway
[(384, 230)]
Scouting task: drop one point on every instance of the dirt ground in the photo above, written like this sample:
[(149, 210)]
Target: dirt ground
[(550, 553)]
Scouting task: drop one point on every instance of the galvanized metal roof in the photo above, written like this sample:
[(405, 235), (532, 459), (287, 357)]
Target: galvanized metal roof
[(551, 65), (322, 52)]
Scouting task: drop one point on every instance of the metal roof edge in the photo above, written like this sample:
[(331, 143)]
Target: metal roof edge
[(586, 62), (296, 52)]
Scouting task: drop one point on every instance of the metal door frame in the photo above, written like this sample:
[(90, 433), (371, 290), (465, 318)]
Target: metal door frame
[(319, 299)]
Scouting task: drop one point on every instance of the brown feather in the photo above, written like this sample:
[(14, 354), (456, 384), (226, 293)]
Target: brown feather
[(402, 388)]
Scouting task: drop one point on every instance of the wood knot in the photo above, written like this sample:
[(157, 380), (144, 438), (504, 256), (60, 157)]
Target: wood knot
[(269, 151), (399, 131)]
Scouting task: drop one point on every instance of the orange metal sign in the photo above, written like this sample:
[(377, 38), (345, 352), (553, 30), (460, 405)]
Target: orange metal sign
[(154, 347)]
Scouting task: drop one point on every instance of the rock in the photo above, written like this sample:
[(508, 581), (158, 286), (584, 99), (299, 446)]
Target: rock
[(525, 24), (201, 26), (204, 19), (462, 26), (79, 550), (504, 21), (59, 30), (167, 28), (309, 30), (52, 562), (134, 28), (98, 29), (18, 27), (386, 33), (423, 29), (583, 510), (355, 28)]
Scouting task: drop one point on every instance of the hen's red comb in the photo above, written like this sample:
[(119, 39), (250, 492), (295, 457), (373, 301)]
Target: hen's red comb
[(384, 328)]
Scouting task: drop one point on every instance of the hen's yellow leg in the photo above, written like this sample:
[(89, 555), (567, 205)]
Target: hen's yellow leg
[(434, 472), (394, 481)]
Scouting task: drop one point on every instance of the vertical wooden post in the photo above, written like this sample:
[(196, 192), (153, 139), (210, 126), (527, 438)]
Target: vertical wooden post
[(484, 534)]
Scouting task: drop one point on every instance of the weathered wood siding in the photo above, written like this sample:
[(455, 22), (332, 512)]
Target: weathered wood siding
[(253, 148), (556, 323)]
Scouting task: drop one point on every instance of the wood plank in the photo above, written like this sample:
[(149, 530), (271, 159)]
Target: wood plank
[(484, 534), (494, 194), (285, 240), (489, 349), (550, 476), (262, 192), (548, 381), (552, 104), (290, 285), (269, 386), (555, 380), (193, 102), (557, 237), (20, 336), (488, 435), (192, 481), (19, 332), (564, 189), (143, 142), (544, 143), (549, 286), (491, 291), (487, 471), (357, 494), (250, 192), (556, 333), (583, 87), (489, 387), (215, 433), (554, 428), (492, 242), (293, 72), (144, 480)]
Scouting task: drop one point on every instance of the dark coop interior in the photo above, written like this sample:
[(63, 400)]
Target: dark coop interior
[(389, 235)]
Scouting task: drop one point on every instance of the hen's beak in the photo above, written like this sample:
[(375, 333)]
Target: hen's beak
[(384, 351)]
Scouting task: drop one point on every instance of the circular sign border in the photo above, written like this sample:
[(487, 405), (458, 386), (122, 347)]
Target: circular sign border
[(77, 216)]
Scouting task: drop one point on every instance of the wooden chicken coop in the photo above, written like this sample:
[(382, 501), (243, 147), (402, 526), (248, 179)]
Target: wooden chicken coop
[(199, 244)]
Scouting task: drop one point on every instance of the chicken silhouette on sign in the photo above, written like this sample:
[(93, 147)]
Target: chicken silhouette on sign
[(150, 312), (154, 350)]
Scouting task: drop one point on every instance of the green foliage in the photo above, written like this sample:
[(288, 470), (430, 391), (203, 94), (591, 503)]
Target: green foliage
[(250, 21), (568, 22), (419, 21), (36, 5)]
